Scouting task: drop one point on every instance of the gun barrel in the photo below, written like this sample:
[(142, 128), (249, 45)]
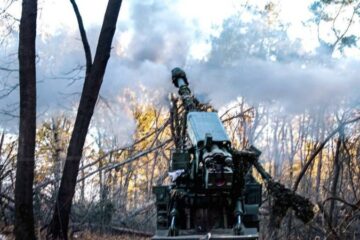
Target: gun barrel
[(180, 81), (178, 77)]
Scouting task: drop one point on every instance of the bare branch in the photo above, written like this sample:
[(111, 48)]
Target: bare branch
[(84, 39), (318, 150)]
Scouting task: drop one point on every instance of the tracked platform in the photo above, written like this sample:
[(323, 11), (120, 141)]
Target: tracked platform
[(218, 234), (210, 237)]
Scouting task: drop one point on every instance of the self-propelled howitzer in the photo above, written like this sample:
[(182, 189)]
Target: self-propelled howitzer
[(213, 194)]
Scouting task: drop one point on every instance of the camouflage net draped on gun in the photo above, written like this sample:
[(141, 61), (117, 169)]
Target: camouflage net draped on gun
[(285, 199)]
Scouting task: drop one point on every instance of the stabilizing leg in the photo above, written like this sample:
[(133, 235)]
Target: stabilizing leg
[(238, 212)]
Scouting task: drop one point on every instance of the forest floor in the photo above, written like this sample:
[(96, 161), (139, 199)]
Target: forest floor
[(85, 235), (94, 236)]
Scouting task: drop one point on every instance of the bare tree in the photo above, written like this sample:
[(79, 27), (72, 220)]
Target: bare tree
[(24, 216), (94, 76)]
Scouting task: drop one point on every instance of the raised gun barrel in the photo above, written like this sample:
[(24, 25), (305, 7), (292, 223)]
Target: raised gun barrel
[(180, 81)]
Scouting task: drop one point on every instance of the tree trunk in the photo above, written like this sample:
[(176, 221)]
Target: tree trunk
[(291, 175), (320, 162), (55, 129), (24, 215), (275, 150), (335, 180), (82, 185), (59, 224)]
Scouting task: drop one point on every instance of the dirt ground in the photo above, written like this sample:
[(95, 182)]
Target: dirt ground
[(86, 235)]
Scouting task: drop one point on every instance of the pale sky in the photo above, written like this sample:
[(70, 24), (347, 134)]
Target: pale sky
[(206, 17)]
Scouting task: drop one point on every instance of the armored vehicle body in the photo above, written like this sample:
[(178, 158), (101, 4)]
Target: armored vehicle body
[(213, 194)]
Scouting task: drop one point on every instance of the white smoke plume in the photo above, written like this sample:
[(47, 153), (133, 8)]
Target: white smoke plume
[(292, 84), (153, 37)]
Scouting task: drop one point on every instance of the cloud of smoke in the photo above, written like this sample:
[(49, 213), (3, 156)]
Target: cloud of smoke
[(259, 62), (159, 40), (155, 38), (294, 86)]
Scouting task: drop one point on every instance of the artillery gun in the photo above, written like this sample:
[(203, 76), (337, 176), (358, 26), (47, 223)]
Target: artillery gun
[(213, 194)]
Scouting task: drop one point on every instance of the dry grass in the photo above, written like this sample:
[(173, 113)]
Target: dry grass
[(6, 234), (94, 236)]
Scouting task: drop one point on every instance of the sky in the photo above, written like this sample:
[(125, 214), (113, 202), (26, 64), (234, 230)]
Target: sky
[(153, 36), (204, 16)]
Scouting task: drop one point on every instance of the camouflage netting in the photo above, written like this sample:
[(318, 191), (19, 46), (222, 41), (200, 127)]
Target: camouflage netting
[(284, 199)]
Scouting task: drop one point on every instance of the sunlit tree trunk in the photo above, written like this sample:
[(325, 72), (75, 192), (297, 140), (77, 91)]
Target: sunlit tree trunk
[(56, 152), (275, 149), (82, 183), (335, 179), (291, 175), (320, 160)]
